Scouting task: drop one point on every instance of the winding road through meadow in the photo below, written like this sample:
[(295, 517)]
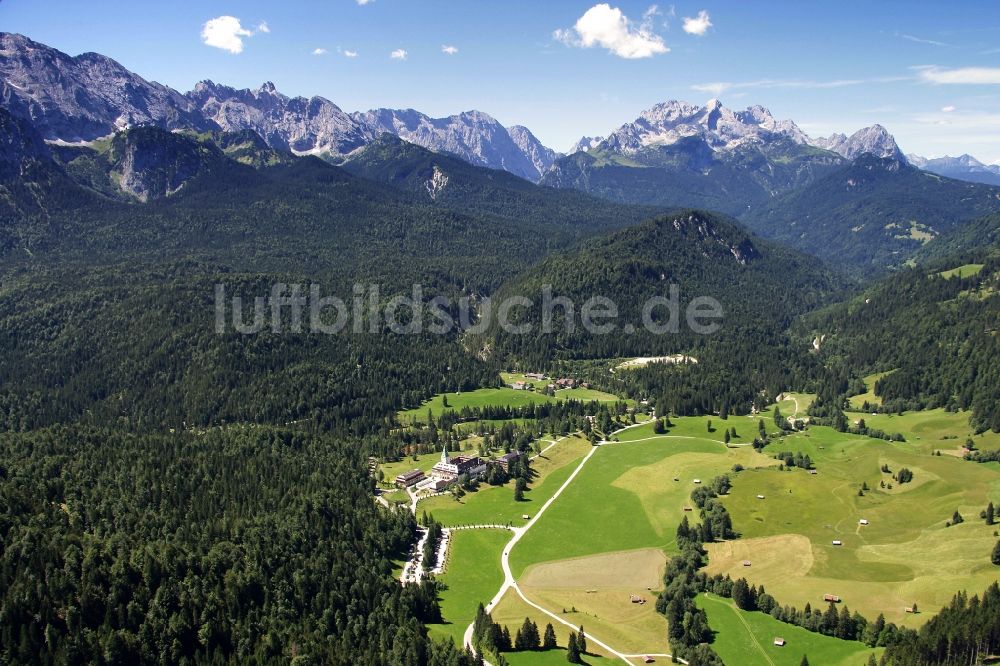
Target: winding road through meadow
[(510, 583)]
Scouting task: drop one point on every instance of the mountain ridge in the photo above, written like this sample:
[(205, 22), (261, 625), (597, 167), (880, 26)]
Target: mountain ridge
[(90, 96), (76, 99)]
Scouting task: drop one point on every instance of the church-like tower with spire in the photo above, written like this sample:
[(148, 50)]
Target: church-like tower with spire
[(450, 468)]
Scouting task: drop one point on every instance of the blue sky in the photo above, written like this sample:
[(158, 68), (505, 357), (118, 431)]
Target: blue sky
[(929, 72)]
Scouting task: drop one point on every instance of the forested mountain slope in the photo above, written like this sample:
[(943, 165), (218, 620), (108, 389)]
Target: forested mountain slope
[(937, 334), (450, 182), (109, 305), (872, 214), (689, 173), (760, 285)]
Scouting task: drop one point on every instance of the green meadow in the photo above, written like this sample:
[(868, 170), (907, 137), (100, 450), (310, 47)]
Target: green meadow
[(933, 430), (588, 395), (511, 612), (857, 401), (500, 397), (747, 639), (391, 470), (552, 658), (622, 509), (472, 576), (904, 555), (968, 270), (626, 498)]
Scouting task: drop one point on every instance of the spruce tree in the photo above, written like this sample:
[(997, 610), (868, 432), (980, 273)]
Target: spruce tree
[(996, 554), (549, 640), (572, 650)]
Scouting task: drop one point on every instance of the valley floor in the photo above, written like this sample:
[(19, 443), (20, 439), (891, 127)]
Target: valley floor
[(602, 520)]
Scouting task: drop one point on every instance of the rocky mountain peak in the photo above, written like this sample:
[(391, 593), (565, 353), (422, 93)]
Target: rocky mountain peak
[(585, 144), (875, 140), (720, 127), (90, 96)]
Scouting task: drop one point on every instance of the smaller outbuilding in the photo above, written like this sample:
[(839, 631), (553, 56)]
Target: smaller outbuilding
[(407, 479), (779, 642)]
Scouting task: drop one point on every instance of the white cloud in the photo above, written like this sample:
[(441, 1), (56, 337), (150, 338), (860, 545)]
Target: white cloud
[(960, 75), (319, 52), (719, 87), (947, 109), (716, 89), (351, 54), (606, 26), (398, 54), (365, 2), (921, 40), (697, 25), (449, 50), (226, 33)]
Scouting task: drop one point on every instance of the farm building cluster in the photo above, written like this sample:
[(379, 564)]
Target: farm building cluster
[(556, 384)]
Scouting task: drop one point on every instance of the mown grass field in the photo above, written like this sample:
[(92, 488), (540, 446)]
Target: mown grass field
[(933, 430), (502, 397), (595, 591), (391, 470), (626, 498), (511, 612), (747, 639), (498, 397), (587, 395), (857, 401), (625, 504), (904, 555), (552, 658), (795, 404), (496, 505), (472, 575), (697, 427), (968, 270)]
